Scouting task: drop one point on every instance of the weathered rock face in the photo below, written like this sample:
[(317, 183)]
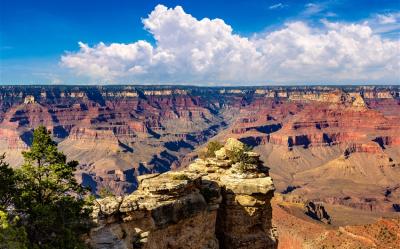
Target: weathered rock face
[(211, 204)]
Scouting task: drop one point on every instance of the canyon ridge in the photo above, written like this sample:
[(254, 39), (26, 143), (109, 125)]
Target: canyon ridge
[(333, 152)]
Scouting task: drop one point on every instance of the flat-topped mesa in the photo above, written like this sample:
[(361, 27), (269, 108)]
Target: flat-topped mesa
[(165, 92), (221, 201), (352, 99)]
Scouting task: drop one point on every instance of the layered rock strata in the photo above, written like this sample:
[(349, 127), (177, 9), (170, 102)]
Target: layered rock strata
[(214, 203), (152, 129)]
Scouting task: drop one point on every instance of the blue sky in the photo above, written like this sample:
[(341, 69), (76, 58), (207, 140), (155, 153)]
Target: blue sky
[(39, 42)]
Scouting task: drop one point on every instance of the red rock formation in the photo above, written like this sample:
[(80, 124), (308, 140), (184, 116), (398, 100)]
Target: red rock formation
[(152, 129), (320, 123)]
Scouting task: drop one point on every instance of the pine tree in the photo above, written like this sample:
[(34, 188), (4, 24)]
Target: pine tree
[(50, 198), (12, 235), (8, 187)]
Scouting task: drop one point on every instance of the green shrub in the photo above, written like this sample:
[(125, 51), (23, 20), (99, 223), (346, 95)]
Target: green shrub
[(105, 192), (180, 177), (210, 150), (240, 155)]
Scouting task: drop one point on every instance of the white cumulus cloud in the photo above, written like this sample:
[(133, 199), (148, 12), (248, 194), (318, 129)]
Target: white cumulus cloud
[(188, 50)]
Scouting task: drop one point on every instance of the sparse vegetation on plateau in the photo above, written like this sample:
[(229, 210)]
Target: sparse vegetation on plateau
[(237, 154), (242, 157)]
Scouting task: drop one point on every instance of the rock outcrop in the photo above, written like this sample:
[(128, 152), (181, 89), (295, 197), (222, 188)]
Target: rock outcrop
[(317, 211), (214, 203)]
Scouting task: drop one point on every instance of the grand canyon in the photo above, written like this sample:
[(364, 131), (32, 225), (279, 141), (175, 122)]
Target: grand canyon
[(206, 124), (333, 152)]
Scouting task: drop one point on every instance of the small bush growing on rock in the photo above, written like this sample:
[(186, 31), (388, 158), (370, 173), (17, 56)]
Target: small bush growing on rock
[(240, 155), (245, 167), (180, 177), (236, 155), (236, 151), (105, 192), (212, 147)]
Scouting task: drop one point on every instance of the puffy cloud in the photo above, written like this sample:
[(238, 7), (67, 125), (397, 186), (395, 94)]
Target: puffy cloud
[(188, 50), (112, 61)]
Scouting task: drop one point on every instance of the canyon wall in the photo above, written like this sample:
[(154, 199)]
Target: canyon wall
[(336, 136)]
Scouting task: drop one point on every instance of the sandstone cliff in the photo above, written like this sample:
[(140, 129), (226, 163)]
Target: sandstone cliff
[(214, 203)]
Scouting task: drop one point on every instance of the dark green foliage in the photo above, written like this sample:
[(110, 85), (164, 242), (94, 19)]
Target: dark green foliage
[(12, 236), (49, 199), (8, 187), (236, 155), (212, 147), (180, 177), (240, 155)]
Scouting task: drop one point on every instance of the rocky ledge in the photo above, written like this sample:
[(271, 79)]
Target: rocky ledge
[(215, 203)]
